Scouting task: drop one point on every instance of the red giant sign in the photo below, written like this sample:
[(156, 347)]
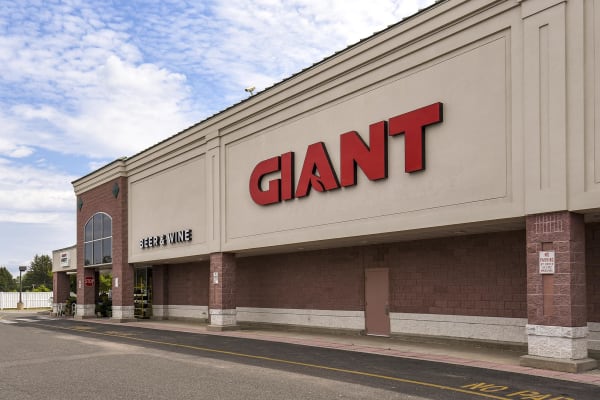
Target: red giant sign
[(318, 173)]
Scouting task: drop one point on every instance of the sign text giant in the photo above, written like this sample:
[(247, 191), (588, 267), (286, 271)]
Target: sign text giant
[(318, 173)]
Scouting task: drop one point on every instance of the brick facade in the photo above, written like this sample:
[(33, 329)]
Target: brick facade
[(558, 299), (592, 256), (480, 275), (102, 199), (330, 280), (222, 295), (477, 275), (160, 285), (187, 284), (61, 287)]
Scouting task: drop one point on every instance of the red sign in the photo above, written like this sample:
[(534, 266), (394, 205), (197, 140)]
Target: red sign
[(318, 173), (89, 281)]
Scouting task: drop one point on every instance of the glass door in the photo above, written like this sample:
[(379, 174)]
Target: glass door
[(142, 292)]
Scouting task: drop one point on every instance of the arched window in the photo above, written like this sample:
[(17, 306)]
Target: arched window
[(98, 240)]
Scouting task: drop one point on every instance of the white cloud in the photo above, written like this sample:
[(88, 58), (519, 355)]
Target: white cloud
[(37, 214), (20, 242), (101, 80), (110, 80), (129, 108), (90, 92), (270, 40), (29, 194)]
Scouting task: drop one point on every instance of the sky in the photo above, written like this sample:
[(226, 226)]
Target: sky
[(83, 83)]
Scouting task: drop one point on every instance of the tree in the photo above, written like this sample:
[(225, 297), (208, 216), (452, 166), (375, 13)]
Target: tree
[(7, 282), (39, 273), (105, 282)]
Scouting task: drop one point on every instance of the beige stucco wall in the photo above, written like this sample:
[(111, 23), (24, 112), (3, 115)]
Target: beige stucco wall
[(166, 199), (520, 84), (468, 156), (72, 260)]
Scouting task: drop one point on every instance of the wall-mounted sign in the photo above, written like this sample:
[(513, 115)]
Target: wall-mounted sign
[(318, 173), (547, 262), (89, 281), (182, 236), (64, 259)]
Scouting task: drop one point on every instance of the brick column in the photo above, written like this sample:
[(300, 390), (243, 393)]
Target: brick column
[(61, 288), (122, 291), (556, 303), (221, 303), (160, 295), (122, 271), (86, 295)]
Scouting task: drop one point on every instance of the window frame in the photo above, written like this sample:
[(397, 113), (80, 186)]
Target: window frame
[(93, 242)]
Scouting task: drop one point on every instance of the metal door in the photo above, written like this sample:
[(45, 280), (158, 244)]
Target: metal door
[(377, 312)]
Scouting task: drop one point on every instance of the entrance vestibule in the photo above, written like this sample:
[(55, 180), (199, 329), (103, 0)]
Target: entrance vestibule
[(142, 292)]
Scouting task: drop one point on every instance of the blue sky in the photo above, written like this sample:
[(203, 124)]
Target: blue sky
[(83, 83)]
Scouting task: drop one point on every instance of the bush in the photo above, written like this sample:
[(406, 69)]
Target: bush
[(41, 288)]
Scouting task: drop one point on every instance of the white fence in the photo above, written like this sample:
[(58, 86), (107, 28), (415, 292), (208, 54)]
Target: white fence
[(30, 299)]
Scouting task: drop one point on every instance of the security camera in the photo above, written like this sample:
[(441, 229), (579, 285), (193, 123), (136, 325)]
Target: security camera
[(250, 89)]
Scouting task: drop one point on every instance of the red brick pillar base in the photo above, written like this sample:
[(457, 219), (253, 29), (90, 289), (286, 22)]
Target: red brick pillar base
[(556, 302), (61, 288), (221, 303)]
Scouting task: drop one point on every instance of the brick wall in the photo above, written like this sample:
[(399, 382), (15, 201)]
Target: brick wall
[(592, 255), (482, 275), (101, 199), (328, 279), (61, 286), (188, 284)]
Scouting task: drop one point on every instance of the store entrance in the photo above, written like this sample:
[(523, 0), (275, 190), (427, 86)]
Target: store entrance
[(142, 292)]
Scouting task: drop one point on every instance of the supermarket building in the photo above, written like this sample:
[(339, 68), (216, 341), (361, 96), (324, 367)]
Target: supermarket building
[(438, 179)]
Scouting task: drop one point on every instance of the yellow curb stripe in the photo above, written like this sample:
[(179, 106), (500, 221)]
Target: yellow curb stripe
[(288, 362)]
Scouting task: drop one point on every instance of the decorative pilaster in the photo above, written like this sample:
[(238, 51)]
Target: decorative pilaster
[(222, 305), (122, 292), (556, 301)]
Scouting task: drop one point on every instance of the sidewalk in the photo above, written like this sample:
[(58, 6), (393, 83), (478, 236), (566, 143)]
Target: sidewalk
[(462, 354)]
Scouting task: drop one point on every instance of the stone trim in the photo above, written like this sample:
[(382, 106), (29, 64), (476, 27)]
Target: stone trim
[(571, 332), (460, 326), (332, 319), (223, 318), (175, 311), (122, 312), (594, 336), (85, 311), (557, 341)]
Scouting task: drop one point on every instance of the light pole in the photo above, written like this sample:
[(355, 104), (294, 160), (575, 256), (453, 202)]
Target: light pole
[(20, 305)]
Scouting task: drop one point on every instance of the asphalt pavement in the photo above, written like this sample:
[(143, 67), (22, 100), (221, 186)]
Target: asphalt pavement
[(433, 370), (467, 354)]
